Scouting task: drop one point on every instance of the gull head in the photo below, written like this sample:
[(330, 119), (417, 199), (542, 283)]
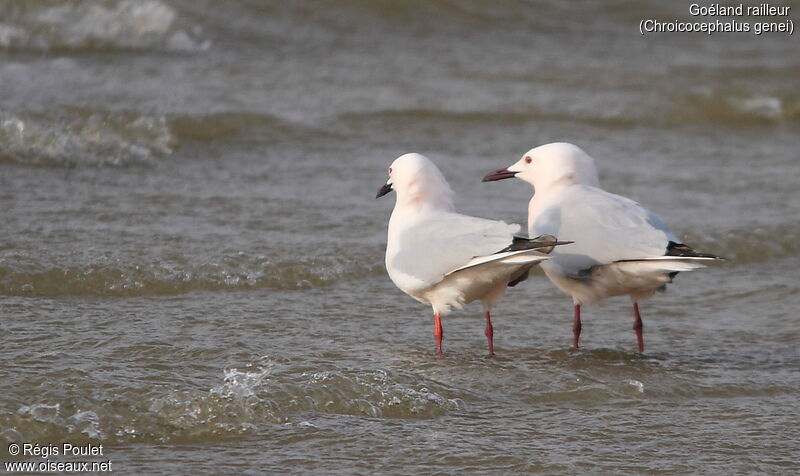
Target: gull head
[(551, 164), (417, 181)]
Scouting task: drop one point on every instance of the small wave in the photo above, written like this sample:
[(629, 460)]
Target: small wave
[(264, 393), (96, 25), (80, 137), (45, 418), (391, 118), (678, 110), (376, 393), (737, 108), (245, 400), (116, 277), (239, 125)]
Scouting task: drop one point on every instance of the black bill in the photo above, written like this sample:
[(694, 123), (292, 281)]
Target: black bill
[(499, 174), (384, 190)]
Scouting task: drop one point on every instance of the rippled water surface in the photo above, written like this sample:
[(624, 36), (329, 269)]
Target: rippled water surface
[(191, 258)]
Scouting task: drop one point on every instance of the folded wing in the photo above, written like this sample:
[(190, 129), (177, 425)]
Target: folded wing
[(604, 227), (441, 243)]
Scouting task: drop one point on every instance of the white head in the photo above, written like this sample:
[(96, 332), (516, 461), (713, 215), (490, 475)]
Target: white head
[(558, 163), (418, 183)]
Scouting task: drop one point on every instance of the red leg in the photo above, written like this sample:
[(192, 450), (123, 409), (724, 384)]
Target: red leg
[(576, 326), (438, 332), (638, 327), (489, 333)]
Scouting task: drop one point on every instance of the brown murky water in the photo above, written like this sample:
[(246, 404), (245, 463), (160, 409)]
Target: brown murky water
[(191, 258)]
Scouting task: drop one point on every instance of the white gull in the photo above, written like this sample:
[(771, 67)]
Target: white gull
[(620, 247), (445, 259)]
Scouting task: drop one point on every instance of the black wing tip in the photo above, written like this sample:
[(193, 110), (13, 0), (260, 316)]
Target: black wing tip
[(679, 249), (543, 243)]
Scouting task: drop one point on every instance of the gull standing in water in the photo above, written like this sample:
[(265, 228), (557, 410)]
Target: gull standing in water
[(620, 247), (445, 259)]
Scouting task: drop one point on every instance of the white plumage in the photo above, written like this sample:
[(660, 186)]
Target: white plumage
[(445, 259), (619, 246)]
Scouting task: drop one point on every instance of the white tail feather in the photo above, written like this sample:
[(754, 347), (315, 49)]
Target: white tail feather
[(676, 258), (508, 257), (649, 266)]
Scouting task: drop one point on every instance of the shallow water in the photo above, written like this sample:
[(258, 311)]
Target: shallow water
[(191, 258)]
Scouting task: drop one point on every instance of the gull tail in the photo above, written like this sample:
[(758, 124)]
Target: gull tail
[(517, 258), (522, 251), (663, 264), (678, 258), (683, 251), (542, 243)]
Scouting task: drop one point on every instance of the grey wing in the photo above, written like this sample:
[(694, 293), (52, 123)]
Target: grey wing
[(443, 242), (605, 228)]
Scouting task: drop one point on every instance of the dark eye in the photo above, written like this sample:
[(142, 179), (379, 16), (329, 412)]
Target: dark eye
[(528, 160), (390, 170)]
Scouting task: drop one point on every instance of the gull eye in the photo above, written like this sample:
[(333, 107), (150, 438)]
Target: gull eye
[(390, 170), (528, 159)]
